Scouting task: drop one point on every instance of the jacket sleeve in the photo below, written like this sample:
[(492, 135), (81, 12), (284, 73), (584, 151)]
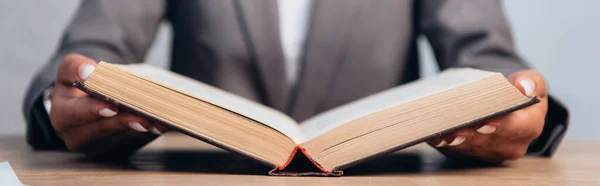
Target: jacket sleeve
[(475, 34), (104, 30)]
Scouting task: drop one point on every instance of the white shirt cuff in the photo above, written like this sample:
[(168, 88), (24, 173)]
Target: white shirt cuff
[(47, 102)]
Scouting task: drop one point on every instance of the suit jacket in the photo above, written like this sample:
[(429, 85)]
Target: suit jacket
[(354, 48)]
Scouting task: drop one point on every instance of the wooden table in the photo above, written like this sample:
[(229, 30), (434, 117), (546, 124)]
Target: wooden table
[(175, 159)]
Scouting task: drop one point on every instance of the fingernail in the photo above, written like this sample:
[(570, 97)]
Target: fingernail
[(486, 129), (528, 86), (155, 131), (457, 141), (137, 126), (85, 71), (441, 144), (106, 112)]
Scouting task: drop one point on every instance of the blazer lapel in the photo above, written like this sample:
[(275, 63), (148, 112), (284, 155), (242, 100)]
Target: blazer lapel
[(326, 46), (259, 19)]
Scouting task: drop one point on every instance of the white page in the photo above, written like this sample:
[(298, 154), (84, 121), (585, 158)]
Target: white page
[(446, 80), (8, 176), (221, 98)]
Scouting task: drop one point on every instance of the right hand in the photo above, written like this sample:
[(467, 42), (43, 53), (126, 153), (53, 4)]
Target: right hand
[(90, 125)]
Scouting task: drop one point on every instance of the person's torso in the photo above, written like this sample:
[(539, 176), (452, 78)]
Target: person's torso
[(353, 48)]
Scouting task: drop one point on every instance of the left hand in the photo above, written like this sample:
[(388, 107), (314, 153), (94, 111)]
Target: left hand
[(506, 137)]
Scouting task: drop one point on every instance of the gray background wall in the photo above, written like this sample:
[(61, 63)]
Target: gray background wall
[(559, 38)]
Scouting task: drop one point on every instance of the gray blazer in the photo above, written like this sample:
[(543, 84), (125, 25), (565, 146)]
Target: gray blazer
[(354, 48)]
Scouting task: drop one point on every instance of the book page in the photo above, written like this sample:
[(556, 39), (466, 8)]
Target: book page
[(221, 98), (446, 80)]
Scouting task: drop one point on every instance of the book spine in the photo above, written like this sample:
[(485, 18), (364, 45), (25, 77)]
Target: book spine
[(280, 170), (315, 163)]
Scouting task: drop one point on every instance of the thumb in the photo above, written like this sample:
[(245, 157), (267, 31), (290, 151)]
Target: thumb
[(527, 86), (530, 83), (75, 67)]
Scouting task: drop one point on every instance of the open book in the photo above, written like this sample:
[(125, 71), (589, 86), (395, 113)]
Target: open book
[(336, 139)]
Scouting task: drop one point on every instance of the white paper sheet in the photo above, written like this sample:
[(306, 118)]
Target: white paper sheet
[(8, 176)]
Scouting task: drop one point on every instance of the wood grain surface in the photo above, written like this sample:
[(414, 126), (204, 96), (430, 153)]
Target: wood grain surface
[(175, 159)]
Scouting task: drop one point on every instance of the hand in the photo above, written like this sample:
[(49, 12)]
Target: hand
[(90, 125), (506, 137)]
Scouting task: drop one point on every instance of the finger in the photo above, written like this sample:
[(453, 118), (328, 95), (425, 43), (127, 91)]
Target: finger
[(71, 112), (474, 154), (480, 146), (477, 138), (458, 138), (83, 134), (157, 128), (490, 126), (491, 147), (75, 67), (510, 151), (486, 140), (483, 141), (498, 125), (463, 135), (437, 142), (503, 148), (524, 124), (530, 83)]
